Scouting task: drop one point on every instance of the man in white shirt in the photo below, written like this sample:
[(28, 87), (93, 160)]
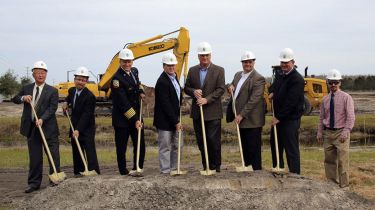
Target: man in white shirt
[(248, 89), (45, 100)]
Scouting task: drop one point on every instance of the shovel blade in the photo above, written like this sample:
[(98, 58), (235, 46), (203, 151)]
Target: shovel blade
[(136, 173), (89, 173), (208, 172), (57, 178), (244, 169), (278, 170), (176, 173)]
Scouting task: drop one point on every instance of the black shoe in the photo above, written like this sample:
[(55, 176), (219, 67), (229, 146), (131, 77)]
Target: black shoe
[(78, 175), (31, 189), (52, 184), (126, 172), (218, 169)]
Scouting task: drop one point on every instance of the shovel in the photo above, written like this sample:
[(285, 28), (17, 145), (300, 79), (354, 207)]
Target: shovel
[(206, 172), (56, 178), (86, 172), (138, 172), (242, 168), (277, 169), (178, 171)]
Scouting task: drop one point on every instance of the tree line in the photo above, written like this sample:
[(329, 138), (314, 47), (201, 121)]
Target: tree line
[(11, 83)]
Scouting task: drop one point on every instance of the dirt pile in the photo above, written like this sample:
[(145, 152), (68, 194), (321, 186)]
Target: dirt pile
[(226, 190)]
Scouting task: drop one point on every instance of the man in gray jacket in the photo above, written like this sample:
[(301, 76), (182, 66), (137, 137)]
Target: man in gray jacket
[(45, 100), (248, 88), (205, 83)]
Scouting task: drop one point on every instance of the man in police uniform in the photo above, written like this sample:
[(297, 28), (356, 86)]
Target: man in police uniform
[(126, 93)]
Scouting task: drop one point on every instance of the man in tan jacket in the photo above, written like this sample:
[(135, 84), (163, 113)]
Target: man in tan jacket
[(205, 83), (247, 88)]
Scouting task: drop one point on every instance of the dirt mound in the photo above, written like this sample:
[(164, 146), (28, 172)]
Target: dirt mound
[(226, 190)]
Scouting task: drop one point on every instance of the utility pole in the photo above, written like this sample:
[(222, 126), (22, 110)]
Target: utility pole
[(27, 71)]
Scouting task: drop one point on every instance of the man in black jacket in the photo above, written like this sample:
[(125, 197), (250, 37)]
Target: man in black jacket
[(287, 93), (82, 103), (168, 98), (45, 100), (126, 95)]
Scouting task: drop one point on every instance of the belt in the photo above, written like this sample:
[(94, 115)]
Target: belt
[(332, 129)]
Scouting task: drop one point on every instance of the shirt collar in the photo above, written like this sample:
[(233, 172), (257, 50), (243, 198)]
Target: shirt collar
[(78, 91), (128, 72), (289, 71), (172, 77), (204, 69), (40, 86), (243, 74)]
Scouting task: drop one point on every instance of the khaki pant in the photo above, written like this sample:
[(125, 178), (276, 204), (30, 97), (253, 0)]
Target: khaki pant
[(336, 160)]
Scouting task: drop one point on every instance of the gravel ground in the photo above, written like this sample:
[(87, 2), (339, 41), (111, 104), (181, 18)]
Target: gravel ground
[(225, 190)]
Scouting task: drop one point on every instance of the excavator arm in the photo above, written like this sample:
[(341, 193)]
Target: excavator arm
[(180, 46)]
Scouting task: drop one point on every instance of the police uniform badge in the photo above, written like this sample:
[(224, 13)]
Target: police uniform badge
[(116, 83)]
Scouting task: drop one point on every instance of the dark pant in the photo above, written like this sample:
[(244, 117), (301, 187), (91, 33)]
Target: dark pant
[(35, 146), (287, 133), (88, 150), (251, 139), (213, 137), (121, 139)]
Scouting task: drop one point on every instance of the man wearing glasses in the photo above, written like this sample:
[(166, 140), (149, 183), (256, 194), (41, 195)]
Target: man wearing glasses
[(336, 121), (82, 103), (205, 83)]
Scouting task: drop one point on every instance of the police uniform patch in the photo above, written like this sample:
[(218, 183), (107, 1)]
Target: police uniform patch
[(116, 83)]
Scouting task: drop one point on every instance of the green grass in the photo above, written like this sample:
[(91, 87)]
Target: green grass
[(9, 131)]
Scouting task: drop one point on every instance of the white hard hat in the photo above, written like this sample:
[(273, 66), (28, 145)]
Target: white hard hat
[(40, 65), (247, 55), (82, 71), (204, 48), (334, 74), (126, 54), (286, 55), (169, 59)]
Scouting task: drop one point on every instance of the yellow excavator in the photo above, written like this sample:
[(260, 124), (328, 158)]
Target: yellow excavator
[(180, 46)]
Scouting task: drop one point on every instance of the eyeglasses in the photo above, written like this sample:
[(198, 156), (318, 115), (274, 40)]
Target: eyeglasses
[(333, 82), (247, 61), (204, 55), (80, 79)]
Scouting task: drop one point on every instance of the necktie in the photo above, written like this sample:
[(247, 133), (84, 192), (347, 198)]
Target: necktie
[(332, 112), (36, 96), (75, 98)]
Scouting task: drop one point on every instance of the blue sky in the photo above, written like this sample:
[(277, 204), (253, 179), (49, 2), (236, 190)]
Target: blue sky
[(324, 34)]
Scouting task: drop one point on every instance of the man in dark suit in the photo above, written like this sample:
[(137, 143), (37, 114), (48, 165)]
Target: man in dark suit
[(248, 90), (205, 83), (126, 95), (168, 98), (45, 100), (287, 93), (82, 103)]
